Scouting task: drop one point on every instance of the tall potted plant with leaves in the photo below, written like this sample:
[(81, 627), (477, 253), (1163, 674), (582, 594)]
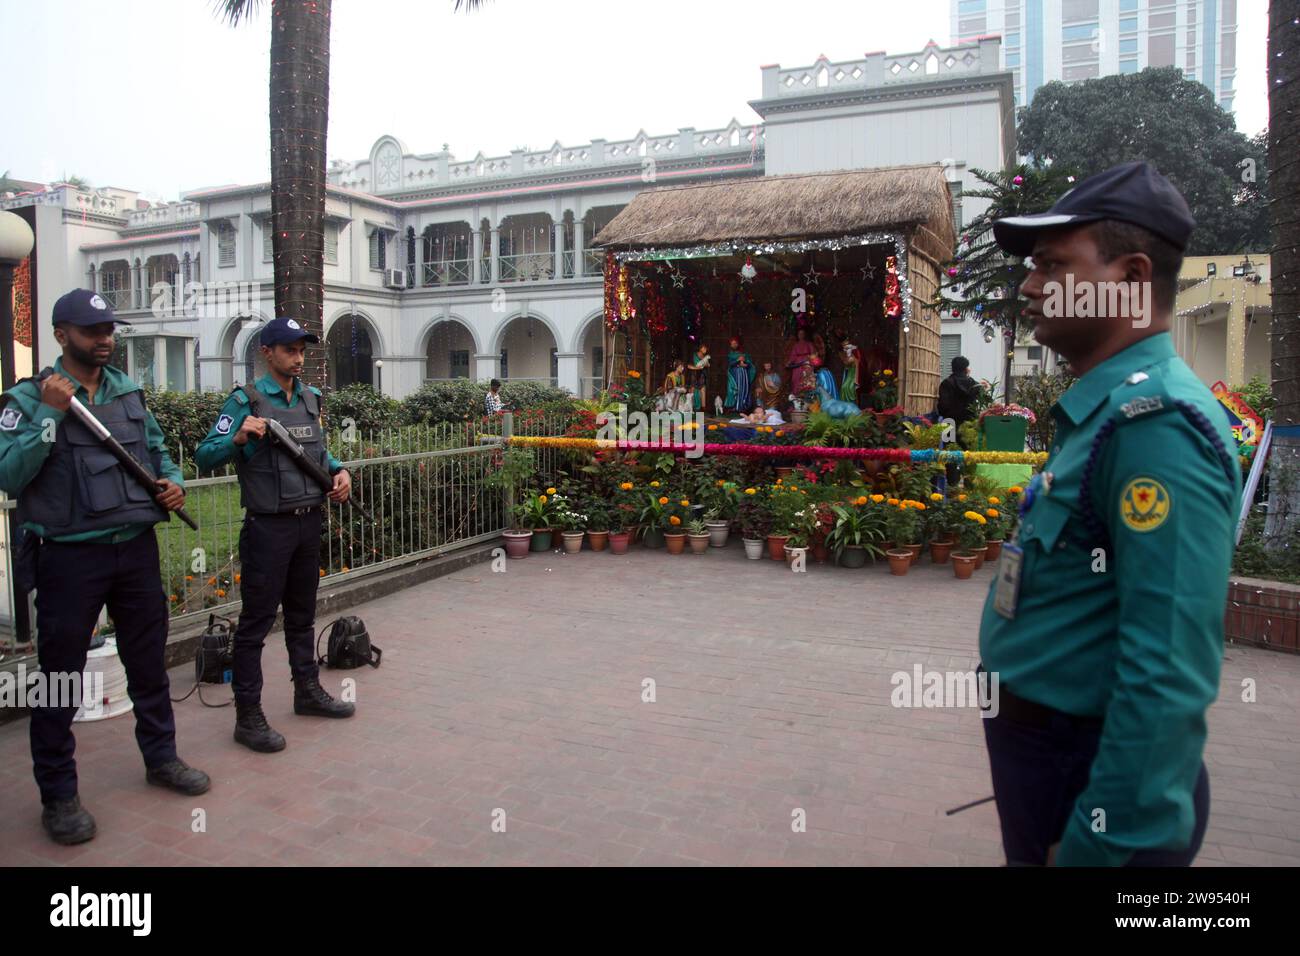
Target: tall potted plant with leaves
[(755, 522), (858, 532)]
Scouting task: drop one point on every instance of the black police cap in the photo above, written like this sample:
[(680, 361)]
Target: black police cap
[(1131, 192), (83, 307), (282, 331)]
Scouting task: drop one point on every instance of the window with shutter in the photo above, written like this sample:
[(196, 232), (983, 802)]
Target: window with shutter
[(225, 244), (955, 190), (268, 233), (949, 349), (332, 243), (378, 250)]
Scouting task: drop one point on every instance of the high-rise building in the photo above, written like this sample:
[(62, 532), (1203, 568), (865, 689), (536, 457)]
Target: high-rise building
[(1071, 40)]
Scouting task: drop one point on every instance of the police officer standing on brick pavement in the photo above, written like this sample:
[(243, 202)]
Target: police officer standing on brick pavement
[(89, 543), (279, 544), (1105, 625)]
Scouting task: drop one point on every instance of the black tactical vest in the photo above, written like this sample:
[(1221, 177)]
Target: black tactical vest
[(269, 481), (81, 486)]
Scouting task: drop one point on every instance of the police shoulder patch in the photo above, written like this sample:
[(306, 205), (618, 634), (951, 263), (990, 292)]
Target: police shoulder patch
[(223, 424), (10, 418), (1144, 504)]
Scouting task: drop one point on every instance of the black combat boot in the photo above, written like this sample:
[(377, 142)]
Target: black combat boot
[(310, 698), (179, 776), (67, 822), (252, 730)]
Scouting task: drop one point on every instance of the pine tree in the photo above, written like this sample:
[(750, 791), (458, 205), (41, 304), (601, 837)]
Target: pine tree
[(982, 281)]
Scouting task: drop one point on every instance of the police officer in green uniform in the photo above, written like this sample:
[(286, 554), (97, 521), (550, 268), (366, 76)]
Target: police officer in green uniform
[(279, 544), (89, 543), (1105, 624)]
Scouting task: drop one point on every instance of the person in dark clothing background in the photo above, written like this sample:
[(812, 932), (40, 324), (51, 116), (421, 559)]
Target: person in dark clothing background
[(957, 392)]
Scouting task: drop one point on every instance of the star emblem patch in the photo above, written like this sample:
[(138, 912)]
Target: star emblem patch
[(1144, 504)]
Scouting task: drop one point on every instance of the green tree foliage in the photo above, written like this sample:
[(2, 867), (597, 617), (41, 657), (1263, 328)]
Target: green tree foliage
[(1174, 124)]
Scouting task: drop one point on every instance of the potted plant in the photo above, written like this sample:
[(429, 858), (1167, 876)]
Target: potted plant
[(722, 509), (570, 523), (699, 536), (938, 528), (784, 503), (509, 475), (755, 523), (858, 531), (900, 559), (535, 513), (995, 532), (970, 542), (903, 526), (653, 517), (674, 527), (619, 534), (597, 525), (796, 545)]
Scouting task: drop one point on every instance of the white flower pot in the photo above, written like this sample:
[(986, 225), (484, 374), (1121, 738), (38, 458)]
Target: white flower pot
[(755, 548), (718, 533)]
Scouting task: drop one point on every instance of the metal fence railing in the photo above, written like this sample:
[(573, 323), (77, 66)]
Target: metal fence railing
[(425, 485)]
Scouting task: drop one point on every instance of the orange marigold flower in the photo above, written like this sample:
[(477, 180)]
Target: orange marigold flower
[(633, 374), (674, 520), (220, 593), (654, 484), (995, 500), (936, 497), (1015, 489), (713, 428), (961, 497), (542, 499), (992, 512), (893, 501), (550, 491), (663, 501), (685, 503), (877, 498), (862, 500)]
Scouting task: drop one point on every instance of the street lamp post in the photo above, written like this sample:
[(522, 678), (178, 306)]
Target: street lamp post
[(379, 376), (16, 241)]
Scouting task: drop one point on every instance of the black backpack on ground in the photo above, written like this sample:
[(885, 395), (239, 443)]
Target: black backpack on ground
[(348, 645)]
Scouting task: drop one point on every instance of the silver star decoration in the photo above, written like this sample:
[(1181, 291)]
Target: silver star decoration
[(659, 268), (638, 281), (810, 277), (678, 279), (868, 271)]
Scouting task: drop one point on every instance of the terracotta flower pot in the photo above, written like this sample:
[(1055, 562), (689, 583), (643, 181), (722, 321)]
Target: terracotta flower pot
[(541, 540), (517, 543), (783, 473), (963, 564), (914, 550), (754, 548), (853, 556), (718, 533), (573, 541), (792, 554), (699, 543), (900, 559), (939, 551), (676, 542), (993, 550), (979, 557), (597, 540), (820, 553), (618, 541), (776, 546)]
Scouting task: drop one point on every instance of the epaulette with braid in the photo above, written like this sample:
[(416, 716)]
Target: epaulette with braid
[(1092, 522)]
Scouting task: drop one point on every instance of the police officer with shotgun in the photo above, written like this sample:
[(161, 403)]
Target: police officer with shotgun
[(90, 543), (279, 545), (1105, 623)]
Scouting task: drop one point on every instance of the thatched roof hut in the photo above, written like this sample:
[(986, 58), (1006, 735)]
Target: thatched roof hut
[(910, 205), (913, 199)]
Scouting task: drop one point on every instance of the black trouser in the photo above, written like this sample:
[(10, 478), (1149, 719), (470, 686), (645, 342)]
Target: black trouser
[(1038, 774), (279, 556), (73, 583)]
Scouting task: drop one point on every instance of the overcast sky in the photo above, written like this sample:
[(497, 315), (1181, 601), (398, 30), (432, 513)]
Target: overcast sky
[(162, 96)]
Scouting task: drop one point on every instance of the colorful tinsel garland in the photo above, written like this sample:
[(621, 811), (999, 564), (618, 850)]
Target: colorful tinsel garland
[(901, 455)]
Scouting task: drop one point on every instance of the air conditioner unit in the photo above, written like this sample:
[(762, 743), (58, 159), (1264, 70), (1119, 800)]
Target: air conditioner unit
[(395, 278)]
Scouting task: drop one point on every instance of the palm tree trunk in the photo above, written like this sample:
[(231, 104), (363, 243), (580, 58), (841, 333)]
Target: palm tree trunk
[(300, 59), (1284, 206)]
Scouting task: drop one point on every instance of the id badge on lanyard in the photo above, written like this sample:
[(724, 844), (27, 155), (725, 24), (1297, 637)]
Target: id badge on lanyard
[(1007, 591)]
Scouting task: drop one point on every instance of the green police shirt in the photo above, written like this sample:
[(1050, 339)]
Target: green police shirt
[(1122, 592), (24, 448), (218, 447)]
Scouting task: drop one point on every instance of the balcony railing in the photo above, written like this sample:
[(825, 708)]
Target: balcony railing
[(593, 262), (527, 267), (447, 272), (119, 299)]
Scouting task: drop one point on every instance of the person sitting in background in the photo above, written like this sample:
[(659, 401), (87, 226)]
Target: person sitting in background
[(492, 401), (957, 392)]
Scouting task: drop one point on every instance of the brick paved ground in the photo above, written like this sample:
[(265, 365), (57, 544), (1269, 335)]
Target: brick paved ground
[(522, 691)]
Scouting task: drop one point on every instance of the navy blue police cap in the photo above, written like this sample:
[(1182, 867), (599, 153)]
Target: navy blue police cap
[(1135, 193), (83, 307), (283, 331)]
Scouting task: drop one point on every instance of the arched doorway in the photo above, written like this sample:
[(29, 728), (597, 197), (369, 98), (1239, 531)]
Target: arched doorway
[(591, 376), (350, 351), (528, 351), (253, 366), (450, 352)]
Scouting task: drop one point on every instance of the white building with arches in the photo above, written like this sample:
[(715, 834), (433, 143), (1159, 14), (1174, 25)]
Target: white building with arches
[(438, 268)]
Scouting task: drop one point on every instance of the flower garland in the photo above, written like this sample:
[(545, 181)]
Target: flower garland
[(893, 301), (901, 455)]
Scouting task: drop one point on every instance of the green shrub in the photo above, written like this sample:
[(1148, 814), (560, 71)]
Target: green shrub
[(1039, 393), (185, 418), (462, 400), (1258, 394), (368, 409)]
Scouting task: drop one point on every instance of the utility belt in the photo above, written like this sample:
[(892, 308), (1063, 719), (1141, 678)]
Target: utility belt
[(1020, 710), (290, 512)]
